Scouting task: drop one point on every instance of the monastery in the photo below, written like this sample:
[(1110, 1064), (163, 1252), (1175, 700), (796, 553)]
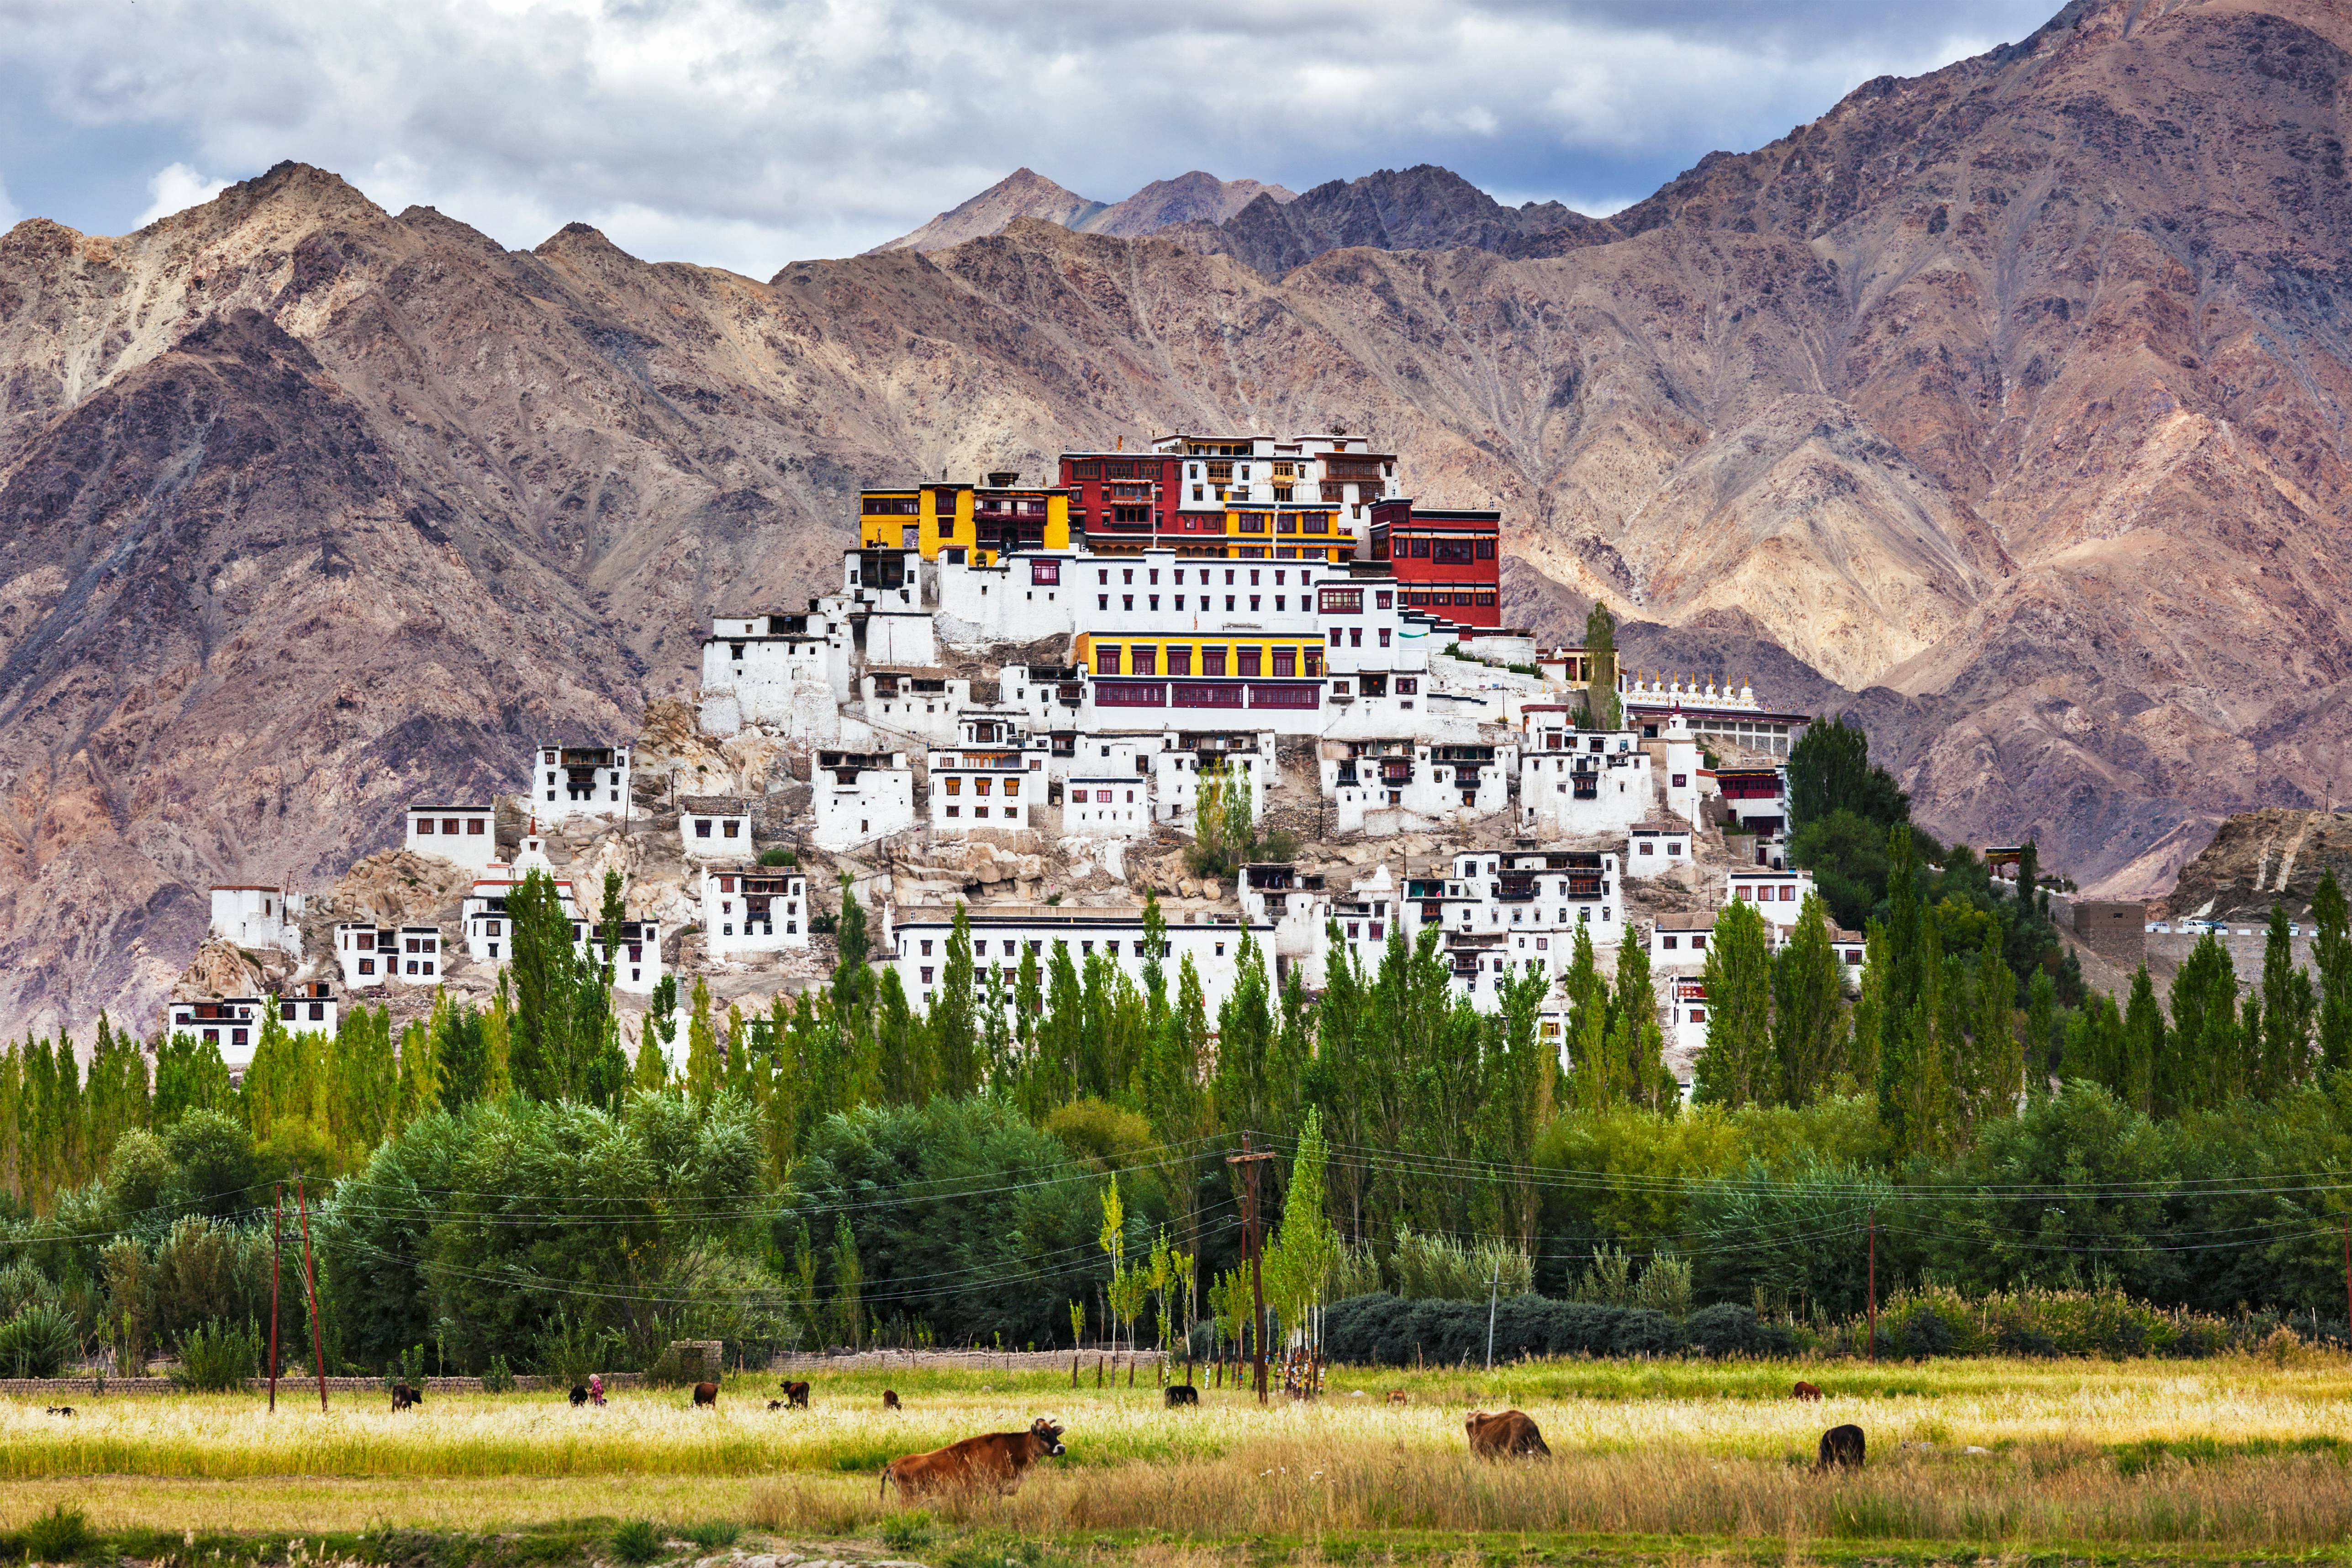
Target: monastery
[(1033, 700)]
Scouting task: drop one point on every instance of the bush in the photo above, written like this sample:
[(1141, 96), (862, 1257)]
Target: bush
[(906, 1531), (497, 1378), (716, 1535), (1726, 1329), (636, 1542), (37, 1343), (1642, 1330), (780, 856), (216, 1358), (58, 1536)]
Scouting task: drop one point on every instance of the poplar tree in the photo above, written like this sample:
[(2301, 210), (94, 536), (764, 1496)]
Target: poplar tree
[(2043, 1038), (2144, 1041), (545, 988), (1919, 1065), (2200, 1066), (2331, 954), (1246, 1094), (1901, 1029), (2097, 1049), (1808, 1006), (1995, 1075), (2288, 1009), (702, 1065), (1737, 1066), (1636, 1041), (1588, 1025), (908, 1074), (1600, 710), (955, 1012)]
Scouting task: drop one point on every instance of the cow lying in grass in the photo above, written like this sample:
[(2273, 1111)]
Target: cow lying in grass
[(996, 1460)]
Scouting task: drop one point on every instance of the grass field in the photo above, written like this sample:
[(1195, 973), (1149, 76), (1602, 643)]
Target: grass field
[(2216, 1459)]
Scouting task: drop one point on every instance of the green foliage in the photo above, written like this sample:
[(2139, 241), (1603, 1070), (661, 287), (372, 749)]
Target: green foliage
[(38, 1342), (1600, 710), (216, 1358), (1440, 1268), (907, 1532), (1737, 1066), (636, 1540), (59, 1535), (714, 1535), (780, 856), (498, 1377), (1829, 771)]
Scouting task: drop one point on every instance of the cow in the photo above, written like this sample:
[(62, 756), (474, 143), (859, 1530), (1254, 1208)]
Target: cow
[(797, 1395), (1399, 1396), (1509, 1435), (403, 1397), (1806, 1391), (889, 1399), (60, 1409), (775, 1404), (995, 1460), (1842, 1447), (706, 1394), (1179, 1393), (579, 1395)]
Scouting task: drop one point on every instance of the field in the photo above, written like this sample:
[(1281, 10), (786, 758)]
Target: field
[(2219, 1459)]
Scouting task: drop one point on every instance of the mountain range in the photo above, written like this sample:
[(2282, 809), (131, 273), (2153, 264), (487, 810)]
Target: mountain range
[(2002, 407)]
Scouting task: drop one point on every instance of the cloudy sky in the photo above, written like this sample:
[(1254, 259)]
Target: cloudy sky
[(748, 132)]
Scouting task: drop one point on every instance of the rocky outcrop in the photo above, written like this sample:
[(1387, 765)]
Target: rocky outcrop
[(2259, 859)]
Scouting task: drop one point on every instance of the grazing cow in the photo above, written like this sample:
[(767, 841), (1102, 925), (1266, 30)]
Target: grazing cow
[(1509, 1435), (775, 1404), (1806, 1391), (1179, 1393), (579, 1395), (1842, 1447), (60, 1409), (1399, 1396), (706, 1394), (797, 1395), (403, 1397), (889, 1399), (996, 1460)]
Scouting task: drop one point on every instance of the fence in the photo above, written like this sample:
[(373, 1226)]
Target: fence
[(288, 1387), (960, 1360)]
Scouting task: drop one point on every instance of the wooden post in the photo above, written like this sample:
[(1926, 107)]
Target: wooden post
[(1073, 1369), (277, 1231), (2347, 1281), (311, 1284), (1249, 1162), (1098, 1370)]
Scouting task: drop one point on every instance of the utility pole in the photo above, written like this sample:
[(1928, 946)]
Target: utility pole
[(1249, 1162), (277, 1235), (1874, 1282), (1493, 1289), (310, 1286), (2347, 1275)]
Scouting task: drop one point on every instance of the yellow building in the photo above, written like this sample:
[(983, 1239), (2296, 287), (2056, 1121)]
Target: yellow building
[(1200, 658), (970, 522), (1286, 533)]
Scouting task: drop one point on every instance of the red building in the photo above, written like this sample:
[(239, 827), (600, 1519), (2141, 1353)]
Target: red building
[(1448, 563), (1127, 501)]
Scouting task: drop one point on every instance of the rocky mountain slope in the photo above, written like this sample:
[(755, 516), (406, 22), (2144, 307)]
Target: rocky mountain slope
[(1420, 208), (1193, 198), (2262, 857), (2008, 400)]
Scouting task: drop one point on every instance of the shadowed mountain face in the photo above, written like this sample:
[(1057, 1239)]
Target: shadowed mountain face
[(2009, 399), (1422, 208)]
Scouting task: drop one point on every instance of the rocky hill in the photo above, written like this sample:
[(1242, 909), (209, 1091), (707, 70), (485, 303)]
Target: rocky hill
[(2262, 857), (2008, 400), (1193, 198), (1420, 208)]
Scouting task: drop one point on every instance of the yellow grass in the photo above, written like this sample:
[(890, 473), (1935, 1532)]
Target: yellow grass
[(2080, 1452)]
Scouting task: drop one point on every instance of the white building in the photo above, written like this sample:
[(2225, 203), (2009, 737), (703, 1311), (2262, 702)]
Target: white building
[(1779, 895), (1687, 784), (1591, 784), (636, 953), (1517, 909), (789, 672), (1243, 760), (992, 789), (231, 1023), (1757, 797), (580, 781), (1107, 806), (1432, 775), (748, 909), (914, 704), (1685, 1028), (860, 796), (1218, 471), (1655, 848), (370, 954), (884, 590), (260, 919), (489, 938), (1022, 597), (1295, 904), (1000, 933), (462, 835), (308, 1009), (714, 827)]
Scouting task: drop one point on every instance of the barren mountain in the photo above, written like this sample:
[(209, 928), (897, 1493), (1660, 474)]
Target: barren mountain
[(1420, 208), (2262, 857), (2009, 399), (1188, 198)]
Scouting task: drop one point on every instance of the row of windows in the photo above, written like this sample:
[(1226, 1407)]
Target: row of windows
[(1284, 664), (734, 828), (1420, 547), (1011, 813), (982, 787), (474, 825)]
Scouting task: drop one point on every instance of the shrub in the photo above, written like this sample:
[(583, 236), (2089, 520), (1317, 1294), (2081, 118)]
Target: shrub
[(1726, 1329), (58, 1536), (216, 1358), (37, 1343), (636, 1542), (1643, 1332), (497, 1378), (779, 856), (715, 1535), (906, 1531)]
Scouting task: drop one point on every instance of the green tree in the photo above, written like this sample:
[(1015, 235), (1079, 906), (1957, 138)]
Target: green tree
[(2145, 1044), (1599, 709), (702, 1063), (2287, 1012), (2202, 1066), (1991, 1075), (1808, 1008), (1829, 771), (955, 1012), (2044, 1033), (545, 988), (1636, 1038), (2331, 954), (1738, 1066)]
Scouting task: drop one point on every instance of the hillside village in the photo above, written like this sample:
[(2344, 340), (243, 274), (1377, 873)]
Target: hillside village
[(1243, 674)]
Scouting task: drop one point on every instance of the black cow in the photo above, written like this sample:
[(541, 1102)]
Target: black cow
[(1178, 1394), (60, 1409), (1842, 1447), (797, 1395), (403, 1397), (579, 1395)]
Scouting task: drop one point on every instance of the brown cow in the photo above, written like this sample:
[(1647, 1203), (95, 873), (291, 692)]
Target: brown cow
[(797, 1395), (706, 1394), (1806, 1391), (889, 1399), (996, 1460), (1510, 1434), (1841, 1446), (1399, 1396)]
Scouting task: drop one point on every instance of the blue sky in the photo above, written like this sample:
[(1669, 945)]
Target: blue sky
[(747, 133)]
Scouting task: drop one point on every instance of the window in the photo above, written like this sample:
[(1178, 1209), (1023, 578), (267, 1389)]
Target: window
[(1646, 848), (1698, 1015), (1682, 781), (1213, 661), (1146, 660), (448, 825), (1342, 600), (1384, 599), (1698, 943), (1045, 573), (955, 785), (701, 827), (1285, 662), (1079, 797), (984, 787), (927, 970), (423, 825), (1385, 636), (1013, 787), (1180, 661), (1486, 549), (1314, 664), (1106, 661), (1670, 942), (474, 825)]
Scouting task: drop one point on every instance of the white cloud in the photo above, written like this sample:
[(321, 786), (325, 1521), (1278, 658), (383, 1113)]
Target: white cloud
[(176, 188), (748, 132)]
